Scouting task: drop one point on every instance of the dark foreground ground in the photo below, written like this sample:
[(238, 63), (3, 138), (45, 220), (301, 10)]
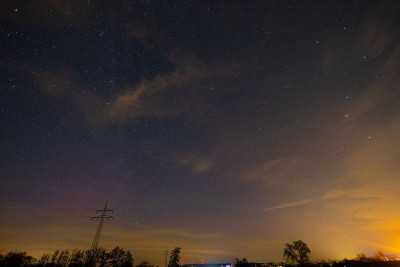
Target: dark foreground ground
[(349, 263), (345, 263)]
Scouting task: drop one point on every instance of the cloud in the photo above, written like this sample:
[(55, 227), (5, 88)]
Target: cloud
[(379, 94), (328, 195), (148, 98), (292, 204), (203, 166), (364, 155), (358, 153), (271, 172), (375, 40), (378, 30), (61, 84), (54, 83), (198, 163), (154, 98)]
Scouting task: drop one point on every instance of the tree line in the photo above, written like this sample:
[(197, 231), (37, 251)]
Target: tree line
[(82, 258), (296, 253), (75, 258)]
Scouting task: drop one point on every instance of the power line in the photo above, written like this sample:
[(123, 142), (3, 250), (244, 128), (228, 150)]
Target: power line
[(166, 254), (95, 244)]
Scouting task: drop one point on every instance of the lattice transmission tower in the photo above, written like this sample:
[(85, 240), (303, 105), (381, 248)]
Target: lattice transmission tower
[(95, 244)]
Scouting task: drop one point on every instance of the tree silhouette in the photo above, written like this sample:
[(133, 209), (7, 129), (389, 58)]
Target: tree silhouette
[(83, 258), (15, 259), (45, 259), (119, 257), (380, 256), (77, 258), (241, 263), (55, 257), (297, 252), (127, 260), (362, 257), (63, 258), (175, 257)]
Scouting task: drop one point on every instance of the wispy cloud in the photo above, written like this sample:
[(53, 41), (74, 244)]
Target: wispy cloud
[(378, 30), (328, 195), (144, 100), (292, 204), (195, 162), (272, 171)]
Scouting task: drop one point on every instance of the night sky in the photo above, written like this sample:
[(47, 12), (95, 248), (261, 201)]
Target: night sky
[(227, 128)]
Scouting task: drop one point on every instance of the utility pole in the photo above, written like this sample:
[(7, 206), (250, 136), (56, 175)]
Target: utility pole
[(95, 244), (166, 254)]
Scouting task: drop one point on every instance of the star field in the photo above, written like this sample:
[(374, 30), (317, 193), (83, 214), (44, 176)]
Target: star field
[(227, 128)]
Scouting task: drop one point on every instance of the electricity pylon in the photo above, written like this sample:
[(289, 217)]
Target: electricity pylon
[(166, 254), (95, 244)]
